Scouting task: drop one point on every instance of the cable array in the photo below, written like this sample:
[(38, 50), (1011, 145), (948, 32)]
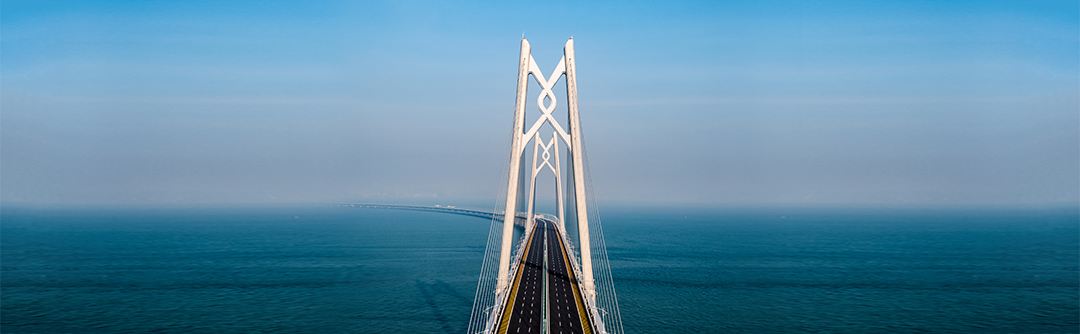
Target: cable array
[(607, 304), (485, 300)]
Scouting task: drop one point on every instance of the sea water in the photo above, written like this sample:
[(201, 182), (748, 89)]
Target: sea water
[(349, 270)]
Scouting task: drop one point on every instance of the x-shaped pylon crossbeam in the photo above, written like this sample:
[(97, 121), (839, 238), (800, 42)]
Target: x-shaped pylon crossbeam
[(546, 155), (546, 85)]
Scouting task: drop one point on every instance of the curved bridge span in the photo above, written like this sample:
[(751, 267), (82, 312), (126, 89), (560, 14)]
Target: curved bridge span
[(520, 220)]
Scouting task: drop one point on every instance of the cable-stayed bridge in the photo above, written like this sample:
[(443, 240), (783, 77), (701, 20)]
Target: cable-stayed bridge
[(542, 273), (546, 273)]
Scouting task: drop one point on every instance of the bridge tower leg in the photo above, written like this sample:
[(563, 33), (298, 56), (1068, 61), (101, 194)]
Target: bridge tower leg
[(515, 166), (558, 182), (532, 184), (578, 159)]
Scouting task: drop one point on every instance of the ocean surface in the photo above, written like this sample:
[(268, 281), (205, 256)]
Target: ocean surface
[(347, 270)]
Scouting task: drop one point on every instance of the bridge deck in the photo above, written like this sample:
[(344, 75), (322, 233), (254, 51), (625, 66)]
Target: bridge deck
[(544, 260)]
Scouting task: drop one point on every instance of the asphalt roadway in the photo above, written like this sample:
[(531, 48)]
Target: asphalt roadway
[(564, 305)]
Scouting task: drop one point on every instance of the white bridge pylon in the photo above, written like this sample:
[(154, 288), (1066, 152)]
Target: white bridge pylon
[(572, 139)]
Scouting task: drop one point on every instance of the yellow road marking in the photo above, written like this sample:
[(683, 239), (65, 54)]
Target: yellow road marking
[(585, 326), (505, 321)]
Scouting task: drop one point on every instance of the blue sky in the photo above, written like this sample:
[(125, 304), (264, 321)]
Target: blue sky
[(716, 103)]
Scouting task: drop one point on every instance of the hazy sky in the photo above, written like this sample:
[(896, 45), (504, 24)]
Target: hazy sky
[(727, 103)]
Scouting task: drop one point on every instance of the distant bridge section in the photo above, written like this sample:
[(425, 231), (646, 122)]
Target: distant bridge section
[(520, 220)]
